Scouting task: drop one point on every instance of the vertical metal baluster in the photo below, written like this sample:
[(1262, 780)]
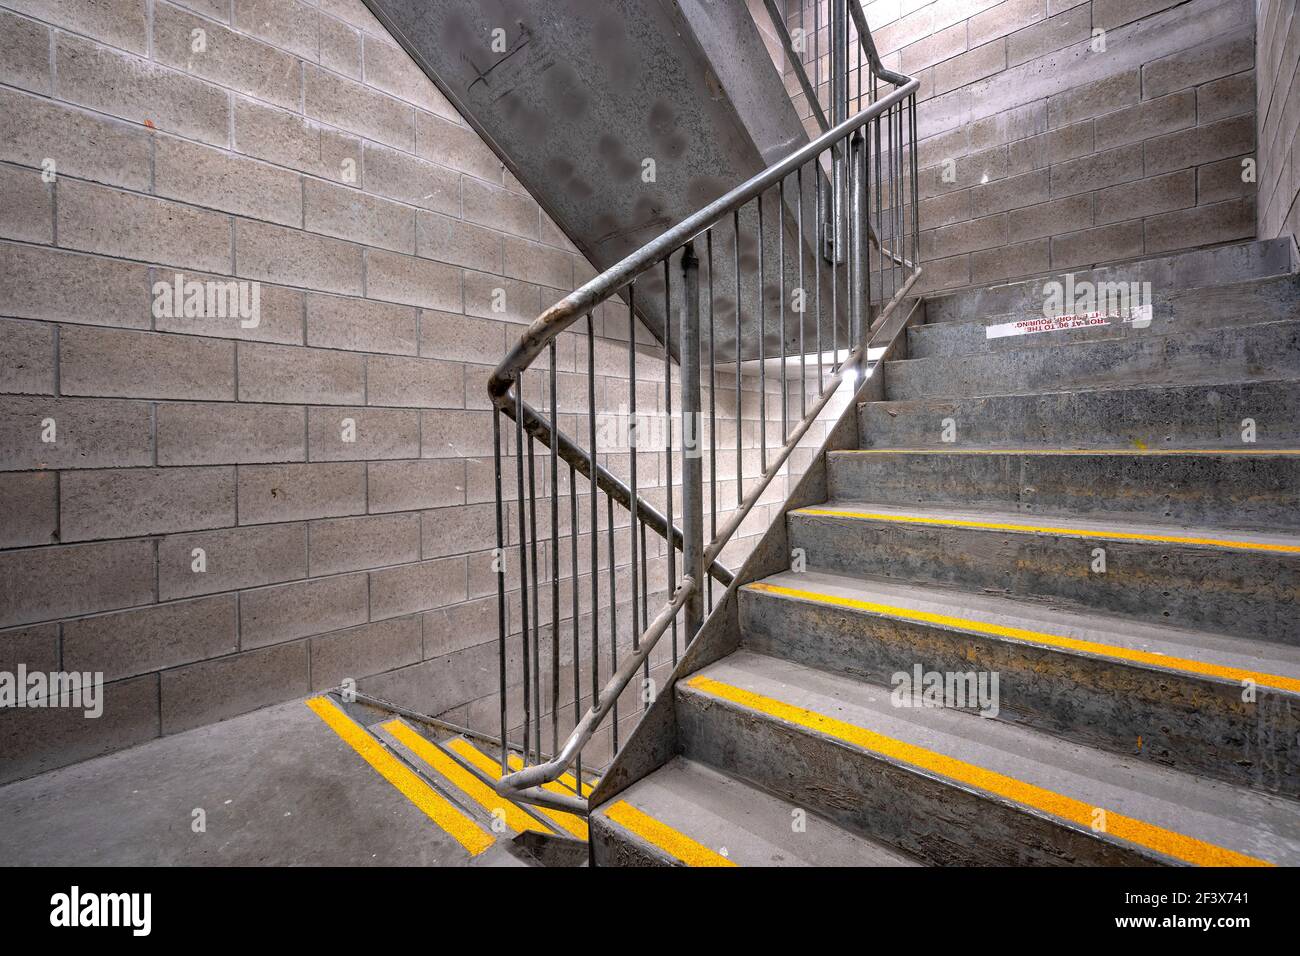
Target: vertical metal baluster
[(850, 257), (916, 193), (595, 513), (521, 504), (555, 558), (692, 463), (501, 582), (668, 444), (833, 211), (537, 650), (713, 412), (577, 640), (780, 258), (762, 346), (819, 238), (803, 303), (740, 418), (880, 216), (895, 116), (613, 607), (857, 199), (638, 533)]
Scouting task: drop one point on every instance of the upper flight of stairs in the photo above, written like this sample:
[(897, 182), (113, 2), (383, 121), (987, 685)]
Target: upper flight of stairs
[(1080, 512)]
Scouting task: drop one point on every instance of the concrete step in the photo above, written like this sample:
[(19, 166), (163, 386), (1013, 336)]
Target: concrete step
[(1168, 416), (1244, 582), (1167, 695), (1236, 488), (1203, 268), (947, 787), (688, 814), (1268, 350), (1180, 309)]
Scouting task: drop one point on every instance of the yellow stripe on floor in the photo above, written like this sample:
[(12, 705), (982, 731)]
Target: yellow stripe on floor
[(474, 788), (1072, 532), (1036, 637), (437, 808), (1138, 452), (675, 844), (1167, 842), (567, 821)]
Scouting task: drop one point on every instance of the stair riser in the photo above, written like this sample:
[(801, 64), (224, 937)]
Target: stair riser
[(1158, 417), (1191, 723), (1233, 491), (1253, 594), (1210, 267), (611, 847), (1249, 353), (1181, 311), (934, 820)]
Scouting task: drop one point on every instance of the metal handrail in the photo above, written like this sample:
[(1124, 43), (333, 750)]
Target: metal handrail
[(526, 785)]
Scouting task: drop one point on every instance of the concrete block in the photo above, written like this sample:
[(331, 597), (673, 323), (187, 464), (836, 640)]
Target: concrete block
[(389, 68), (414, 382), (36, 646), (1103, 244), (340, 47), (508, 300), (1005, 18), (231, 59), (129, 364), (457, 242), (29, 509), (291, 25), (964, 237), (363, 651), (1218, 222), (417, 587), (67, 287), (281, 373), (407, 279), (279, 312), (1106, 168), (1149, 118), (62, 581), (1094, 98), (208, 691), (456, 146), (1234, 136), (1010, 261), (1219, 57), (501, 209), (341, 102), (300, 491), (348, 544), (137, 90), (118, 502), (25, 53), (224, 180), (1011, 193), (360, 325), (534, 262), (457, 627), (359, 434), (1221, 180), (290, 139), (292, 257), (27, 361), (1045, 219), (231, 559), (28, 209), (119, 23), (406, 178), (1047, 36), (935, 48), (1147, 196), (127, 643), (35, 741), (1109, 14), (456, 530), (974, 65), (101, 219), (413, 485), (456, 434), (86, 434), (277, 614), (348, 213), (196, 433), (1226, 97)]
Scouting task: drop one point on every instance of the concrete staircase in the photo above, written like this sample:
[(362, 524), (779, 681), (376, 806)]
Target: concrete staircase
[(1080, 514)]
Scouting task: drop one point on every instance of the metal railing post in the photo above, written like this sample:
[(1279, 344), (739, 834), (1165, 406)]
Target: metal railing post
[(839, 113), (857, 230), (692, 444)]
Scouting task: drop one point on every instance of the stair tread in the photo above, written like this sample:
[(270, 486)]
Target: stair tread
[(1041, 767), (1120, 527), (750, 825), (1135, 387), (1128, 451), (1065, 621)]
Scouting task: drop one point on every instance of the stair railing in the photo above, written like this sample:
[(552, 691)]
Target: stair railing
[(867, 157)]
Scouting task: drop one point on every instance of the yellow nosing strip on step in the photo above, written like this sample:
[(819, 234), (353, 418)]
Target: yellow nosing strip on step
[(1037, 637), (474, 788), (1136, 452), (436, 807), (1037, 529), (1167, 842), (492, 768), (676, 844)]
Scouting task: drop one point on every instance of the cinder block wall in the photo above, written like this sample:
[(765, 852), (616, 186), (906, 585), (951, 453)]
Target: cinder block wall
[(1278, 113), (1063, 154), (299, 149)]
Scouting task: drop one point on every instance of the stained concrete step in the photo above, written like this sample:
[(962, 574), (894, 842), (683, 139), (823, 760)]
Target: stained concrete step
[(1268, 350), (1167, 695), (688, 814), (950, 788), (1275, 299), (1186, 270), (1245, 583), (1237, 488), (1170, 416)]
